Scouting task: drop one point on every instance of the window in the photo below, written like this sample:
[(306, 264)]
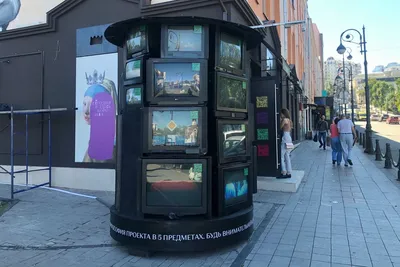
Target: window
[(270, 63)]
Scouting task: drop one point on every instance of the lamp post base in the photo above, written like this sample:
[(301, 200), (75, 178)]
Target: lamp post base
[(369, 148)]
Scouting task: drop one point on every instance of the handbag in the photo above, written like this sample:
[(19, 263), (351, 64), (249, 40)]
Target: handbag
[(315, 139), (289, 146)]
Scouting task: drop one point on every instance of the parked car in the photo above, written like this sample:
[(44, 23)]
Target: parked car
[(375, 117), (384, 117), (392, 120)]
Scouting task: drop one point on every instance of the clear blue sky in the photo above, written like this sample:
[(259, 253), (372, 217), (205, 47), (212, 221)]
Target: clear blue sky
[(381, 20)]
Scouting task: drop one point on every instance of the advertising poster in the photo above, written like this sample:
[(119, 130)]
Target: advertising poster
[(16, 14), (96, 100)]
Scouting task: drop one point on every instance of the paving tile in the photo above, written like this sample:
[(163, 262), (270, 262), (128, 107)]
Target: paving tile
[(341, 259), (318, 257), (278, 261), (299, 262), (320, 264)]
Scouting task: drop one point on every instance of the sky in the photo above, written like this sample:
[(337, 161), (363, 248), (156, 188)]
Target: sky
[(33, 12), (381, 20), (172, 70)]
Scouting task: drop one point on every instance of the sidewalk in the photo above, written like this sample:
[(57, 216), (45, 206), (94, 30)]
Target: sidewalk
[(339, 217)]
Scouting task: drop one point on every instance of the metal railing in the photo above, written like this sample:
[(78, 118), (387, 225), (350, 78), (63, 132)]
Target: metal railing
[(379, 156)]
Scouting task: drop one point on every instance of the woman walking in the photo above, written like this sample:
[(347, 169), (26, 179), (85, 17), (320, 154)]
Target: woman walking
[(336, 146), (286, 145)]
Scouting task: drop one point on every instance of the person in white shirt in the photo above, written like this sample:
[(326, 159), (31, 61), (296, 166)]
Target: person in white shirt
[(347, 134)]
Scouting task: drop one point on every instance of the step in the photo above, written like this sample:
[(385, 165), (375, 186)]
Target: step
[(281, 185)]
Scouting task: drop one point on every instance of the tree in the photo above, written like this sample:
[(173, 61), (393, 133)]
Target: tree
[(398, 84), (390, 101), (330, 89), (378, 93)]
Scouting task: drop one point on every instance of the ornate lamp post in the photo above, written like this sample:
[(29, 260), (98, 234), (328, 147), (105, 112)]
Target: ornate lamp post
[(341, 50), (339, 87)]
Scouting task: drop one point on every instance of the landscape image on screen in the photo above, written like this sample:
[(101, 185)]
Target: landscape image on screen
[(231, 94), (231, 51), (179, 79), (132, 69), (136, 41), (175, 128), (236, 186), (184, 38), (234, 139), (174, 184), (133, 96)]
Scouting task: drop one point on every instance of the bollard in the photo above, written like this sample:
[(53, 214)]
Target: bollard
[(398, 168), (361, 139), (364, 140), (388, 157), (378, 152)]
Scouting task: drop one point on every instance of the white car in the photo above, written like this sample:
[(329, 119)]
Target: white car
[(375, 117)]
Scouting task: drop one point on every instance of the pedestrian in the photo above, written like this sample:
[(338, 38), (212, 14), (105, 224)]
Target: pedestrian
[(322, 128), (347, 135), (286, 145), (336, 146)]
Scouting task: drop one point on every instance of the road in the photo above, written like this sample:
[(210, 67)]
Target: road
[(386, 133)]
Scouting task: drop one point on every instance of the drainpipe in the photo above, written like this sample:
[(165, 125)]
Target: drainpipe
[(225, 11)]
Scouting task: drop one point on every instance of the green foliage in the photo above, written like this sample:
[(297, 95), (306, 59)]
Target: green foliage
[(330, 89), (378, 93)]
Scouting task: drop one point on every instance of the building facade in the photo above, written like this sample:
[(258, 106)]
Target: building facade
[(302, 53), (332, 67)]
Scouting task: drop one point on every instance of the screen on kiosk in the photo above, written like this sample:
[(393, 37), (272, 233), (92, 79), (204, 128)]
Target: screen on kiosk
[(234, 139), (175, 128), (177, 79), (230, 51), (185, 38), (174, 184), (132, 69), (232, 93), (136, 41), (236, 186)]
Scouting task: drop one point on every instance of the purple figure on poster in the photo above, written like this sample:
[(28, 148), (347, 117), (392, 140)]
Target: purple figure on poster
[(102, 126)]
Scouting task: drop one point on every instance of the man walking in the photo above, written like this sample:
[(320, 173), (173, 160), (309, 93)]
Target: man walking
[(347, 134), (322, 128)]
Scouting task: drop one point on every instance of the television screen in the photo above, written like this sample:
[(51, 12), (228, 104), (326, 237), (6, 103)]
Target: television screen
[(176, 79), (234, 139), (134, 96), (236, 186), (231, 93), (230, 51), (175, 128), (133, 69), (185, 38), (174, 185), (136, 41)]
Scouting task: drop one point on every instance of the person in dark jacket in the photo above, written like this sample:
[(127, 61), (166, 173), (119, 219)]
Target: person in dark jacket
[(322, 128)]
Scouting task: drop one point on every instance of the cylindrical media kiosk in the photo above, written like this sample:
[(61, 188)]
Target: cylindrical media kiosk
[(185, 172)]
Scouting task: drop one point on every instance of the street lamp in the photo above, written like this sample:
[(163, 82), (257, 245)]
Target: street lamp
[(363, 45), (351, 90), (349, 57), (340, 83)]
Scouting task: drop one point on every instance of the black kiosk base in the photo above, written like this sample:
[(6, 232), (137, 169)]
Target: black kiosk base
[(146, 236), (185, 166)]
